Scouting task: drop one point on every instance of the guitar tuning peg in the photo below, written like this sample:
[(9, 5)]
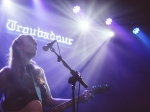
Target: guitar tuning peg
[(93, 87), (100, 86), (107, 87)]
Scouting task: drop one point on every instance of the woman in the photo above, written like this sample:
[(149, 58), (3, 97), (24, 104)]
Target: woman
[(23, 81)]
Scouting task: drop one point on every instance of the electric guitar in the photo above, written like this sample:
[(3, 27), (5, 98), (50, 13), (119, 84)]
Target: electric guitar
[(36, 106)]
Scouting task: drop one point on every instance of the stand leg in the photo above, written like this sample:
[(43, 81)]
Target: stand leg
[(73, 98)]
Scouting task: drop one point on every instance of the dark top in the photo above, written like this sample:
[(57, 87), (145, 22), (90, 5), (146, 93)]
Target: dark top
[(21, 92)]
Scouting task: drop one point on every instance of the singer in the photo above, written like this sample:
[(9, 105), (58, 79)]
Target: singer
[(23, 82)]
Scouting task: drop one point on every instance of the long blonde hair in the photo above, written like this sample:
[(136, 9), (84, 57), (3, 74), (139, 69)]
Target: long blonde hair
[(14, 55), (13, 58)]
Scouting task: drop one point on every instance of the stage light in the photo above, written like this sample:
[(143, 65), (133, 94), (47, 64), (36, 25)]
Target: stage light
[(108, 21), (84, 25), (7, 2), (111, 34), (8, 6), (76, 9), (136, 30)]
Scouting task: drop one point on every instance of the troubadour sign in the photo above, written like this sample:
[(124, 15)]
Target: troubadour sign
[(13, 26)]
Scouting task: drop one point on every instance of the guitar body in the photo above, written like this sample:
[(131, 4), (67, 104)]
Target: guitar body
[(34, 106)]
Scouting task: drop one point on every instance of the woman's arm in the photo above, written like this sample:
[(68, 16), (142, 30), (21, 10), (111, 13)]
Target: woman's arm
[(50, 101), (3, 79)]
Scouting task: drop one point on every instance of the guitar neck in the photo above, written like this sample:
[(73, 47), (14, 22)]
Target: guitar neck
[(65, 105), (95, 90)]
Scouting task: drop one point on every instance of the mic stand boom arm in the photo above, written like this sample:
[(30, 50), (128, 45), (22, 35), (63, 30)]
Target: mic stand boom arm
[(74, 73), (72, 80)]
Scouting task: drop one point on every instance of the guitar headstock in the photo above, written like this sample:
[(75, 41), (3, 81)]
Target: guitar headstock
[(100, 89)]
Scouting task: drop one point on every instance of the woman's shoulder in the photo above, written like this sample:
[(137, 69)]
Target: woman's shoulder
[(37, 69), (4, 70), (35, 65)]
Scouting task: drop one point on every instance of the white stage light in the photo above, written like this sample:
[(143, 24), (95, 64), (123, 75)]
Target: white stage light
[(111, 34), (76, 9), (7, 2), (84, 25), (108, 21)]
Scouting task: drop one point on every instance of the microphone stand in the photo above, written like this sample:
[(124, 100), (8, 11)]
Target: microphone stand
[(72, 80)]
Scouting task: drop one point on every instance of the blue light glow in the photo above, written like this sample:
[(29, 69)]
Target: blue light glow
[(136, 30)]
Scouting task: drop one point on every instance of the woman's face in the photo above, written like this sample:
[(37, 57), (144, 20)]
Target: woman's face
[(29, 46)]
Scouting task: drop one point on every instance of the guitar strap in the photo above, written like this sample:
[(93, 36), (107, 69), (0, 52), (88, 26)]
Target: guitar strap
[(37, 88)]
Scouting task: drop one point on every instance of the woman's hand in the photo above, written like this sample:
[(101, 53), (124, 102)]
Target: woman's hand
[(86, 96)]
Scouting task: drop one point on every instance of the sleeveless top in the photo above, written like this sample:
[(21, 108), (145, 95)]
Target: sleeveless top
[(19, 93)]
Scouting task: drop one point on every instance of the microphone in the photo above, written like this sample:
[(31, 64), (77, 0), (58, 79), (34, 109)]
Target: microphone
[(49, 45)]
